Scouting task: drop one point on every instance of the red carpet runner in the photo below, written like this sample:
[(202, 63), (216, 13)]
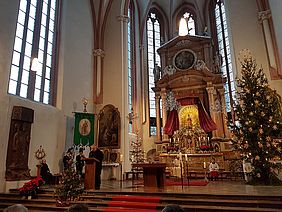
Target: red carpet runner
[(179, 183), (133, 203), (185, 183)]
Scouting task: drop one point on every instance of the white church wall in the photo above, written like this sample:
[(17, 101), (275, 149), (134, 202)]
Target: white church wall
[(76, 57), (275, 6), (247, 34), (75, 62), (115, 71), (75, 76)]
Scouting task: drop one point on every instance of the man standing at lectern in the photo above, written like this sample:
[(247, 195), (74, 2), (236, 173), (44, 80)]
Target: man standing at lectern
[(98, 155)]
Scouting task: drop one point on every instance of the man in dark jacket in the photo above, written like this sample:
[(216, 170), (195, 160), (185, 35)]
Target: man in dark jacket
[(98, 155)]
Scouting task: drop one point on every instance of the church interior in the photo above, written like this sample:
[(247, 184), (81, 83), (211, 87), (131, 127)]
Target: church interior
[(166, 116)]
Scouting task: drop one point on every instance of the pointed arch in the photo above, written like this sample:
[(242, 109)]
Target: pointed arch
[(186, 8)]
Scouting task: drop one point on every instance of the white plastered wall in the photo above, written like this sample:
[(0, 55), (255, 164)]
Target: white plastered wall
[(75, 81)]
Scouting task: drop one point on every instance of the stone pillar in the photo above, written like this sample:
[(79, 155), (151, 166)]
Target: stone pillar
[(123, 20), (223, 112), (270, 44), (211, 92), (158, 112), (98, 55), (164, 112)]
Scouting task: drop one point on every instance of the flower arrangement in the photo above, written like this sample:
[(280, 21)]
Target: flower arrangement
[(31, 187), (206, 148)]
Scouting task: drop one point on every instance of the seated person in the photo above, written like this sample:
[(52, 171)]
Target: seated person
[(45, 172), (213, 168)]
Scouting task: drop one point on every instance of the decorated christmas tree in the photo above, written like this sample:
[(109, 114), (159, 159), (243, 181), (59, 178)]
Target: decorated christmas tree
[(69, 187), (136, 151), (258, 123)]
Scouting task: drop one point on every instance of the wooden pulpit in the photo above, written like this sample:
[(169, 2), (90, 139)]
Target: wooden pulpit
[(90, 168)]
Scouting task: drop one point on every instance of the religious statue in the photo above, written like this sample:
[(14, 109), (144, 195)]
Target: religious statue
[(218, 60), (157, 72), (169, 70), (189, 121)]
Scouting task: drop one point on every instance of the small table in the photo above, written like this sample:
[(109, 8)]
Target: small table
[(153, 174)]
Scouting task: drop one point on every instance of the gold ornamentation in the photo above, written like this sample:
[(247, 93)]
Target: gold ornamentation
[(40, 153)]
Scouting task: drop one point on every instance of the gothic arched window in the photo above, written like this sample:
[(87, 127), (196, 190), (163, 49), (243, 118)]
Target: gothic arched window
[(35, 37), (131, 60), (223, 48), (153, 43), (189, 17)]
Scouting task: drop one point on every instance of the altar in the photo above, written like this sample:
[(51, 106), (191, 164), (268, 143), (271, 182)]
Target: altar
[(191, 89), (111, 171), (192, 164), (153, 174)]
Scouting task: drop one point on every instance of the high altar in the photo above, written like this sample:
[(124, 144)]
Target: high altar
[(191, 89)]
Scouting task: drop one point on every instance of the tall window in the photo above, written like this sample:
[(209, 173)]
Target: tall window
[(190, 22), (35, 38), (154, 42), (130, 53), (224, 51)]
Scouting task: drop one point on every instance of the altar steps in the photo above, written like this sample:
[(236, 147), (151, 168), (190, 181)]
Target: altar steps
[(104, 201)]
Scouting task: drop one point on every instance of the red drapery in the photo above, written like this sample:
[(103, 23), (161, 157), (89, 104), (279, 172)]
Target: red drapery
[(172, 123), (206, 123)]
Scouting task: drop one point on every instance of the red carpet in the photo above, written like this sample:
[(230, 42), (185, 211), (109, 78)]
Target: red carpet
[(185, 183), (133, 203), (172, 182)]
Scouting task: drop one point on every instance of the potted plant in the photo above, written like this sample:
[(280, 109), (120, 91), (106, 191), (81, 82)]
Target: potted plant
[(31, 188)]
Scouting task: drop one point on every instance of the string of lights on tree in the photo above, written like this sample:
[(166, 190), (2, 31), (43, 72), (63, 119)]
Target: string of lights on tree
[(258, 125)]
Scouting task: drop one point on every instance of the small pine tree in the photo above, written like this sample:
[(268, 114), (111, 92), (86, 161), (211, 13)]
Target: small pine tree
[(136, 152), (69, 186), (258, 123)]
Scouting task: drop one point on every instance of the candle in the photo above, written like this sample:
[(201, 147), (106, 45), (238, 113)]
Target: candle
[(121, 157), (180, 156), (186, 157), (205, 165)]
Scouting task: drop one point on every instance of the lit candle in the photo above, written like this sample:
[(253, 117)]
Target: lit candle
[(180, 156), (205, 165), (186, 157), (121, 157)]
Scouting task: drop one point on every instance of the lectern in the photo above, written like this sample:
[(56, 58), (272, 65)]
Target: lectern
[(90, 168)]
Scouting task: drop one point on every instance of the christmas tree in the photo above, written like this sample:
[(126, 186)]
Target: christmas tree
[(136, 152), (69, 186), (258, 123)]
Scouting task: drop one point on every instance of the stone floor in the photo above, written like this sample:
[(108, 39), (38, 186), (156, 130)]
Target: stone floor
[(226, 187)]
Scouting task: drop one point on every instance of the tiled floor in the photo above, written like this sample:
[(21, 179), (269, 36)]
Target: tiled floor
[(214, 187)]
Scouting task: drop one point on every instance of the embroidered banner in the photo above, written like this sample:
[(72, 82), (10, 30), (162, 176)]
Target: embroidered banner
[(84, 129)]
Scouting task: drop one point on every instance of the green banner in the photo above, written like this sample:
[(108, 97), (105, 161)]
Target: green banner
[(84, 129)]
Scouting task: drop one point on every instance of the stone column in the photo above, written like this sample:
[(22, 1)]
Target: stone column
[(223, 112), (98, 55), (273, 59), (164, 112), (158, 112), (123, 20), (211, 92)]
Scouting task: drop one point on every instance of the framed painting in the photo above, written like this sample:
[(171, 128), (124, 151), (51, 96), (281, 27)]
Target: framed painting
[(109, 128)]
